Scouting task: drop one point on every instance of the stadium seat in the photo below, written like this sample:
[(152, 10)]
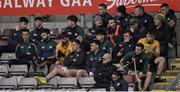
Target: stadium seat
[(6, 33), (75, 90), (3, 43), (129, 79), (27, 83), (86, 82), (52, 84), (18, 78), (67, 82), (41, 71), (97, 90), (54, 33), (4, 70), (18, 70), (8, 83), (8, 56)]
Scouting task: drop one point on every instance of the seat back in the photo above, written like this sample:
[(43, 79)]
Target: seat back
[(8, 83), (67, 82), (52, 84), (6, 33), (86, 82), (129, 78), (8, 56), (18, 70), (27, 83), (4, 69)]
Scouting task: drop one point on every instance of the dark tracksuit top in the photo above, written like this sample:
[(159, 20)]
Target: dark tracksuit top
[(102, 75), (141, 62), (76, 60), (36, 35), (146, 20), (25, 52), (74, 32), (120, 85), (14, 39), (46, 49), (126, 46), (93, 60)]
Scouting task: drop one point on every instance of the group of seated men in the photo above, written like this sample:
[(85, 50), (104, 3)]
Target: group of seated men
[(139, 42)]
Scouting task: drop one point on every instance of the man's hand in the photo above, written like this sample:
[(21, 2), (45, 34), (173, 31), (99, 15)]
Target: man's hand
[(141, 75)]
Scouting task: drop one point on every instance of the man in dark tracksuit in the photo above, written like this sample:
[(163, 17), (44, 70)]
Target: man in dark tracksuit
[(94, 57), (161, 34), (74, 31), (122, 17), (141, 61), (75, 61), (144, 19), (26, 51), (103, 73), (137, 30), (105, 44), (118, 82), (46, 48), (15, 38), (103, 13), (169, 18), (36, 33), (111, 32), (123, 48)]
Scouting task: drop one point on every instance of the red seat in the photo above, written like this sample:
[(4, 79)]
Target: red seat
[(6, 33), (3, 43), (129, 78), (54, 33)]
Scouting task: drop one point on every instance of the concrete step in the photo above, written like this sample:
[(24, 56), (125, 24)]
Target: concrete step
[(168, 77), (173, 71), (161, 86), (158, 90), (171, 52)]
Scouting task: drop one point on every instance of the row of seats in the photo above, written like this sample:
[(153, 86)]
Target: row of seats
[(57, 90), (20, 82), (18, 77)]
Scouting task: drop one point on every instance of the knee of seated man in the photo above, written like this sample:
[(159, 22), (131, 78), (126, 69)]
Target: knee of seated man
[(148, 73)]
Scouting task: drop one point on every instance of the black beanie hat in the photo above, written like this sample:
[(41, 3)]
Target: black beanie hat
[(122, 9)]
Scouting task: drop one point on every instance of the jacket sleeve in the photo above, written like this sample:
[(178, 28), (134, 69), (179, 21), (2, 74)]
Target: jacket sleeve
[(67, 61), (18, 53), (11, 41), (81, 59), (109, 72), (145, 67), (88, 64), (34, 51), (97, 75)]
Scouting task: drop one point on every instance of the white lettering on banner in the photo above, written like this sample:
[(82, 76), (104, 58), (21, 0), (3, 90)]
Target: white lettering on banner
[(41, 2), (50, 3), (17, 5), (68, 3), (28, 3), (115, 3), (7, 3), (87, 2), (25, 3), (78, 2), (65, 3)]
